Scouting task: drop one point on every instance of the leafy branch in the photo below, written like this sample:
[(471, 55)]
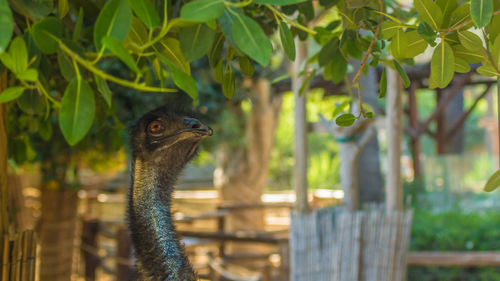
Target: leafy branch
[(357, 77), (89, 66)]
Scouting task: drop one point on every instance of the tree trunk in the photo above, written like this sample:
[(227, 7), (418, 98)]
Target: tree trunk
[(368, 164), (455, 143), (58, 222), (242, 173)]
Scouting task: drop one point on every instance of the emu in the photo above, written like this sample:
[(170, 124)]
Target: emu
[(163, 141)]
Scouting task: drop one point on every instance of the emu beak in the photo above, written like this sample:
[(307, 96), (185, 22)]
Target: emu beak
[(196, 127)]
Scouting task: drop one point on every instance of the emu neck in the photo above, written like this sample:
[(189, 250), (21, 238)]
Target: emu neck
[(160, 256)]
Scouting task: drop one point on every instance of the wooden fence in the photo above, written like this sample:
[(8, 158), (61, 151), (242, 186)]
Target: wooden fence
[(334, 245), (18, 256)]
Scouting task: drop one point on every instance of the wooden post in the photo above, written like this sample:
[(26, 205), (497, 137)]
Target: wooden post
[(125, 270), (300, 133), (284, 249), (394, 189), (90, 229)]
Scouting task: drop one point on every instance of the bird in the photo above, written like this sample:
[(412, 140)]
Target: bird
[(162, 142)]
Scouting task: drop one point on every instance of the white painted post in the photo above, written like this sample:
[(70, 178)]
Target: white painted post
[(300, 133), (394, 188)]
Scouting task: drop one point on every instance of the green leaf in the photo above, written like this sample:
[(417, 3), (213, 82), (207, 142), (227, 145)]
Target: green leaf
[(202, 10), (402, 73), (44, 129), (341, 107), (345, 120), (487, 70), (145, 10), (226, 22), (77, 110), (383, 84), (468, 55), (103, 88), (65, 65), (228, 83), (429, 12), (447, 7), (442, 65), (495, 52), (461, 65), (287, 42), (45, 34), (251, 39), (246, 66), (218, 72), (399, 44), (39, 8), (114, 21), (278, 2), (389, 29), (427, 33), (327, 51), (63, 8), (470, 40), (494, 27), (137, 37), (171, 50), (481, 11), (416, 44), (116, 47), (493, 182), (30, 74), (6, 60), (78, 25), (19, 55), (460, 16), (215, 54), (196, 41), (338, 67), (184, 81), (31, 102), (11, 93), (6, 25)]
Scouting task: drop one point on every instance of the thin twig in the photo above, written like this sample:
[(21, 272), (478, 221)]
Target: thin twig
[(291, 22), (372, 42)]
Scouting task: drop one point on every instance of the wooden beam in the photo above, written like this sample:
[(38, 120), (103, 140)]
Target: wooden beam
[(460, 122), (300, 132), (238, 236), (253, 205), (455, 89), (454, 259)]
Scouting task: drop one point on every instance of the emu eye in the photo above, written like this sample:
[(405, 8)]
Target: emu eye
[(156, 127)]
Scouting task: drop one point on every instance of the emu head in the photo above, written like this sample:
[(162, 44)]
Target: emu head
[(165, 136)]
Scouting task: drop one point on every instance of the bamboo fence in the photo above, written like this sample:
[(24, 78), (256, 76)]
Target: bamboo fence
[(334, 245), (18, 256)]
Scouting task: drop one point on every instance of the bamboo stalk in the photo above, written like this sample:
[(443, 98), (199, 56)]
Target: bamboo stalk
[(5, 257)]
